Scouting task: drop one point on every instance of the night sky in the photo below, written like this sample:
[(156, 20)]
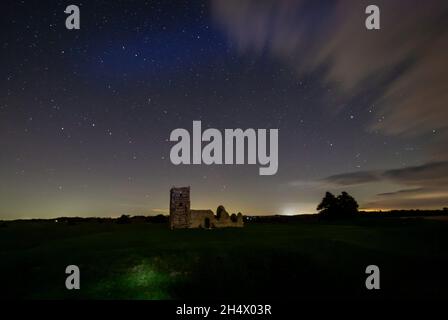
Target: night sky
[(86, 115)]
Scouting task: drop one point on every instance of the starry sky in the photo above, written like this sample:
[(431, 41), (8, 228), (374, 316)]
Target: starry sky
[(86, 115)]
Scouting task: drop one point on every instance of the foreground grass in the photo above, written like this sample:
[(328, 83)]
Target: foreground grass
[(299, 260)]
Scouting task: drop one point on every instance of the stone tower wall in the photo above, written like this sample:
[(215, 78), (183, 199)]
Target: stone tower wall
[(180, 207), (181, 216)]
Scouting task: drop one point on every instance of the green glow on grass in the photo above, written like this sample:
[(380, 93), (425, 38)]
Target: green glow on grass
[(142, 281)]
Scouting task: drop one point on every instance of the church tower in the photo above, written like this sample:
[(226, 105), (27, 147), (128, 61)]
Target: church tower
[(179, 207)]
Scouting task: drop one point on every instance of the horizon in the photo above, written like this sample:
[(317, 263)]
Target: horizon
[(167, 214)]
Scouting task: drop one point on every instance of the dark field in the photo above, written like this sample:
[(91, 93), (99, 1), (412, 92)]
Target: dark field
[(299, 260)]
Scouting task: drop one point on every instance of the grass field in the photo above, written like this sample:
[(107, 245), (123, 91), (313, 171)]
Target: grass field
[(301, 260)]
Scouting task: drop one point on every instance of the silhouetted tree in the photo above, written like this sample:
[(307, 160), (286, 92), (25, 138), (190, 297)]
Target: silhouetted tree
[(160, 218), (347, 204), (342, 206), (125, 218), (328, 203)]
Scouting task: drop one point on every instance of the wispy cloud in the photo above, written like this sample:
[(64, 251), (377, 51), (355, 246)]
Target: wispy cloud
[(405, 62), (401, 192), (434, 174), (431, 174), (429, 182), (406, 59), (353, 178)]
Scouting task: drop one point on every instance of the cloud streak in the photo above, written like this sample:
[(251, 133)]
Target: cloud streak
[(429, 184), (431, 174), (434, 174), (353, 178), (406, 58)]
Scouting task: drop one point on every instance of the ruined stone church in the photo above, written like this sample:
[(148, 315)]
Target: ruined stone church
[(181, 216)]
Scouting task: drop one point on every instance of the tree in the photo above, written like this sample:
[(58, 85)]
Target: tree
[(328, 203), (160, 218), (342, 206), (347, 204), (124, 219)]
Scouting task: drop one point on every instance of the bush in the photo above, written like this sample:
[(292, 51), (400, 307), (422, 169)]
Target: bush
[(160, 218), (124, 219), (342, 206)]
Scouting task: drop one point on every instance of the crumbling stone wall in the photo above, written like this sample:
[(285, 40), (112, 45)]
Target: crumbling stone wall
[(199, 219), (223, 219)]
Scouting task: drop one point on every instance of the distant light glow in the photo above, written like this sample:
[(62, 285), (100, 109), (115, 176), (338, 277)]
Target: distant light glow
[(289, 211)]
